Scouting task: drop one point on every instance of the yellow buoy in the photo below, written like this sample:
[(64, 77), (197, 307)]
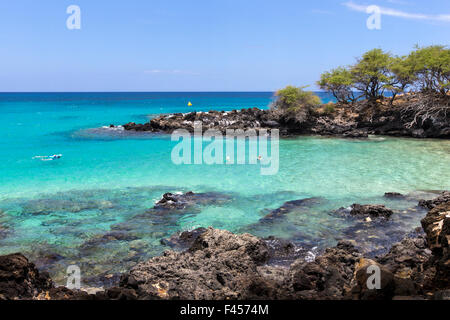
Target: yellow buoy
[(189, 104)]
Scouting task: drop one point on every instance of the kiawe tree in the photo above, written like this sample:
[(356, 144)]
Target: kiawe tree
[(372, 74), (340, 83), (402, 76), (431, 66)]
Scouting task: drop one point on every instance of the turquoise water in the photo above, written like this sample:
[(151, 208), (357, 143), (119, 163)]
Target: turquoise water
[(63, 212)]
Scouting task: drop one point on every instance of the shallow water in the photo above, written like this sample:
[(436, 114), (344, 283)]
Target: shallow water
[(91, 208)]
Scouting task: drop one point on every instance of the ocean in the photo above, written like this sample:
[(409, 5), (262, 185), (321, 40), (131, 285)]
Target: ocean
[(92, 207)]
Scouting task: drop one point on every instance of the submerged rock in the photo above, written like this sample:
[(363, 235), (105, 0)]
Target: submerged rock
[(370, 210), (181, 201), (47, 206), (99, 240), (4, 230), (289, 207), (394, 195)]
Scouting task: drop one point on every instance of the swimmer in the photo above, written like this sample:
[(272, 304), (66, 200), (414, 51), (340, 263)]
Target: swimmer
[(48, 158)]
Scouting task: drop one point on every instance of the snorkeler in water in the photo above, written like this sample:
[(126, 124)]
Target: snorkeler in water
[(48, 158)]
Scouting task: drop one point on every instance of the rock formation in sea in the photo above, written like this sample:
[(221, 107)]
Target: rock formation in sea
[(349, 121)]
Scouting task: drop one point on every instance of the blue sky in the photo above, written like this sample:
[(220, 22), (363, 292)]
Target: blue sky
[(200, 45)]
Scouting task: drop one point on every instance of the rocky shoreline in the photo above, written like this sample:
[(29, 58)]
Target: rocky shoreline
[(349, 121), (217, 264)]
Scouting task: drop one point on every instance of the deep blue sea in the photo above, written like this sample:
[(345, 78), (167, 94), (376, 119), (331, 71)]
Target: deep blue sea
[(63, 212)]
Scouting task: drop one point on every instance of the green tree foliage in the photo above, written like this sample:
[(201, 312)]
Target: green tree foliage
[(340, 83), (402, 75), (431, 67), (377, 72), (372, 75)]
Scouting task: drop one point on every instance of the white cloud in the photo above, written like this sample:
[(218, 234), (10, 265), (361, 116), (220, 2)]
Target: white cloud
[(400, 14)]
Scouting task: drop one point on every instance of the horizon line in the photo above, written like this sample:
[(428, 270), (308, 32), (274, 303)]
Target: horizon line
[(262, 91)]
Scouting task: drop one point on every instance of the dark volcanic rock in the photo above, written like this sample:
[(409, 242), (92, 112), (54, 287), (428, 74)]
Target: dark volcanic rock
[(237, 119), (219, 265), (370, 210), (19, 279), (351, 121), (394, 195), (284, 252), (222, 265), (328, 277), (435, 223), (437, 227), (430, 204), (357, 133), (183, 240), (182, 201)]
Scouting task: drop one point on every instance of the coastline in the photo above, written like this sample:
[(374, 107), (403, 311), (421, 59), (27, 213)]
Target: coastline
[(216, 264)]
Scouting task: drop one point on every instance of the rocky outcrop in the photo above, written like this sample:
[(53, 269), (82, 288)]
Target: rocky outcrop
[(219, 120), (430, 204), (437, 227), (327, 277), (218, 265), (404, 272), (349, 121), (19, 279)]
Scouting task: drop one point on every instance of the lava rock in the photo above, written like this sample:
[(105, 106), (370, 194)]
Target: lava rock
[(394, 195), (371, 210), (19, 279), (183, 240)]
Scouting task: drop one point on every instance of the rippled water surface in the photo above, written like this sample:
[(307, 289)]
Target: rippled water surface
[(93, 207)]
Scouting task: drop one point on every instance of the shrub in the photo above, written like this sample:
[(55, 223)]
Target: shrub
[(329, 109), (293, 98), (293, 104)]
